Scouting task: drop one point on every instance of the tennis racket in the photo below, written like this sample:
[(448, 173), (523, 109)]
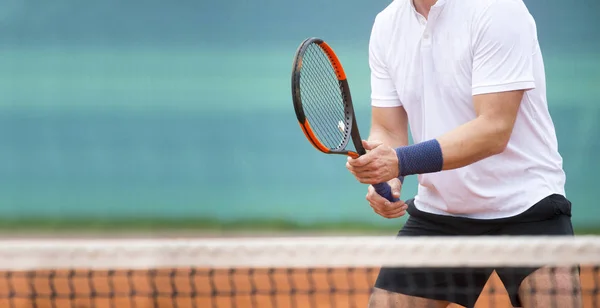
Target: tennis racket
[(323, 104)]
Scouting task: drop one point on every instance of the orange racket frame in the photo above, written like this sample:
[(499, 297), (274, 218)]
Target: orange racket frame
[(350, 126)]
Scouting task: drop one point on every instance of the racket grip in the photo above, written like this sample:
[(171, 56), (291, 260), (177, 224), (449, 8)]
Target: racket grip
[(384, 190)]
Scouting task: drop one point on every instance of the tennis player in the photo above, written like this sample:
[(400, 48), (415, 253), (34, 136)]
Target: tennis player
[(468, 77)]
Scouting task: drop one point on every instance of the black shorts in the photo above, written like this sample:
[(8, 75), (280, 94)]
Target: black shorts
[(550, 216)]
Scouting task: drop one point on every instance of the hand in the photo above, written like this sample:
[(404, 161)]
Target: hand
[(385, 208), (379, 165)]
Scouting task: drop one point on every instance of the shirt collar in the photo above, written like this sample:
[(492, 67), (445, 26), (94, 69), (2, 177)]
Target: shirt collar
[(438, 4)]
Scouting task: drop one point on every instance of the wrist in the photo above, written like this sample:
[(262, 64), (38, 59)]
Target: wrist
[(420, 158)]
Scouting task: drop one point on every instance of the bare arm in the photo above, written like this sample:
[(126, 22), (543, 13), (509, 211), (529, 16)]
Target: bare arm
[(504, 41), (486, 135), (389, 125), (389, 122)]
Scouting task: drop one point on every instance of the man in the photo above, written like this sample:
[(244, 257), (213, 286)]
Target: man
[(468, 77)]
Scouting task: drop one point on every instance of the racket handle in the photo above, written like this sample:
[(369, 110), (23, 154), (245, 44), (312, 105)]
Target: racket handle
[(384, 190)]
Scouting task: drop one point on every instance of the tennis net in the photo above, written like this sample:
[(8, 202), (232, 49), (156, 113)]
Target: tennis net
[(273, 272)]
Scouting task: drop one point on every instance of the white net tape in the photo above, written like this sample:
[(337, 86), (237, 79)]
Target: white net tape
[(299, 252)]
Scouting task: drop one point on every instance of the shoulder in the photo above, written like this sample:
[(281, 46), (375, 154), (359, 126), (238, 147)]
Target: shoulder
[(498, 11), (386, 18), (387, 23)]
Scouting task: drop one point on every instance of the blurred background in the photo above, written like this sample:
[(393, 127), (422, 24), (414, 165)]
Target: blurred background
[(160, 115)]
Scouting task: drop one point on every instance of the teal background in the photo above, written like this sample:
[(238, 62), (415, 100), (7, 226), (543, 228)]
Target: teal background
[(181, 110)]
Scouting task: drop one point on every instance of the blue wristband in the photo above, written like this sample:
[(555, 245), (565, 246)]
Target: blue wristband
[(420, 158)]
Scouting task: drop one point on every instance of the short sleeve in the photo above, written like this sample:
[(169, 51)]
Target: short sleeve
[(504, 44), (383, 90)]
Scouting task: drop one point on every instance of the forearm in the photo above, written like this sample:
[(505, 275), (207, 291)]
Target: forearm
[(396, 139), (472, 142), (465, 145), (389, 126), (389, 138)]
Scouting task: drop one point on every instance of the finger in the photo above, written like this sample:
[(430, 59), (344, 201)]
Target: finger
[(370, 170), (396, 187), (370, 165), (370, 145), (354, 168), (371, 179), (395, 215), (390, 215), (362, 160), (389, 207), (374, 198), (389, 210), (395, 207), (366, 175), (368, 179)]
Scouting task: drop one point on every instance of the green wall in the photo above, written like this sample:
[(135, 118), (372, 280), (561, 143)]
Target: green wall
[(181, 110)]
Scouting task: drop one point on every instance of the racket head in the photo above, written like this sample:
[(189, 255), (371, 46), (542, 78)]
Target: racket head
[(322, 100)]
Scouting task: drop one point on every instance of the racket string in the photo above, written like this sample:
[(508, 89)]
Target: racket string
[(323, 98), (339, 97), (330, 136), (318, 118), (325, 61), (328, 91), (334, 82), (319, 129)]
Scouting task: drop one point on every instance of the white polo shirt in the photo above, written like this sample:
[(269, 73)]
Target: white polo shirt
[(434, 66)]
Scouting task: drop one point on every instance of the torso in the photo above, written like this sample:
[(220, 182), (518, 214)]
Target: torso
[(431, 63)]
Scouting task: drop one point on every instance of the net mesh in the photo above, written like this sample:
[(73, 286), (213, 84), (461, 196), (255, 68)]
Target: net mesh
[(277, 272)]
